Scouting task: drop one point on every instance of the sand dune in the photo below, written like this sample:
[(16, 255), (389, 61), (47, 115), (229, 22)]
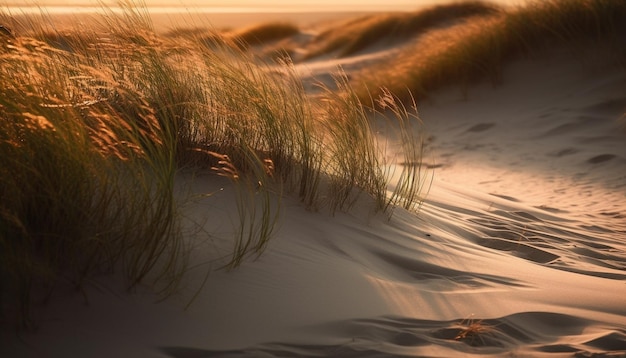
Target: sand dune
[(518, 250)]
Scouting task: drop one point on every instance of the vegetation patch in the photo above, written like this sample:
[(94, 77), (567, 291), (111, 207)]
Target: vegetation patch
[(479, 49), (96, 124), (358, 34), (264, 33)]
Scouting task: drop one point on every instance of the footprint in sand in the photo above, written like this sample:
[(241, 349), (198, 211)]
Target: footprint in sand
[(600, 158), (481, 127), (564, 152)]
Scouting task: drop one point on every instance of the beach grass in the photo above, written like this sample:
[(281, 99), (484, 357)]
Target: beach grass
[(96, 125), (358, 34), (264, 33), (87, 179), (475, 50)]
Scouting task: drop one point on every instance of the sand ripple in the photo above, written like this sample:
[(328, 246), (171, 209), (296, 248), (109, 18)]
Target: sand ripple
[(526, 334)]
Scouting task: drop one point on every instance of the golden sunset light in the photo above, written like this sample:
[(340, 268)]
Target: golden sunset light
[(349, 5), (313, 178)]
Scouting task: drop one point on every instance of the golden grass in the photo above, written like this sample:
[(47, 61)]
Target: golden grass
[(264, 33), (85, 187), (478, 49), (358, 34)]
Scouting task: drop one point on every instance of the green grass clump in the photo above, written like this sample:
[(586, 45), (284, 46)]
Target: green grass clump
[(361, 33), (96, 124), (480, 48)]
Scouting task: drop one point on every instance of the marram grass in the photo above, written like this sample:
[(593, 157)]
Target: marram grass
[(478, 49), (264, 33), (358, 34), (95, 125), (85, 187)]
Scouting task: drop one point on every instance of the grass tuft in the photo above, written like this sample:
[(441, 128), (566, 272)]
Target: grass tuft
[(475, 332), (413, 179)]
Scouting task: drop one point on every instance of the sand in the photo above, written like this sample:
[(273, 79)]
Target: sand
[(522, 238)]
